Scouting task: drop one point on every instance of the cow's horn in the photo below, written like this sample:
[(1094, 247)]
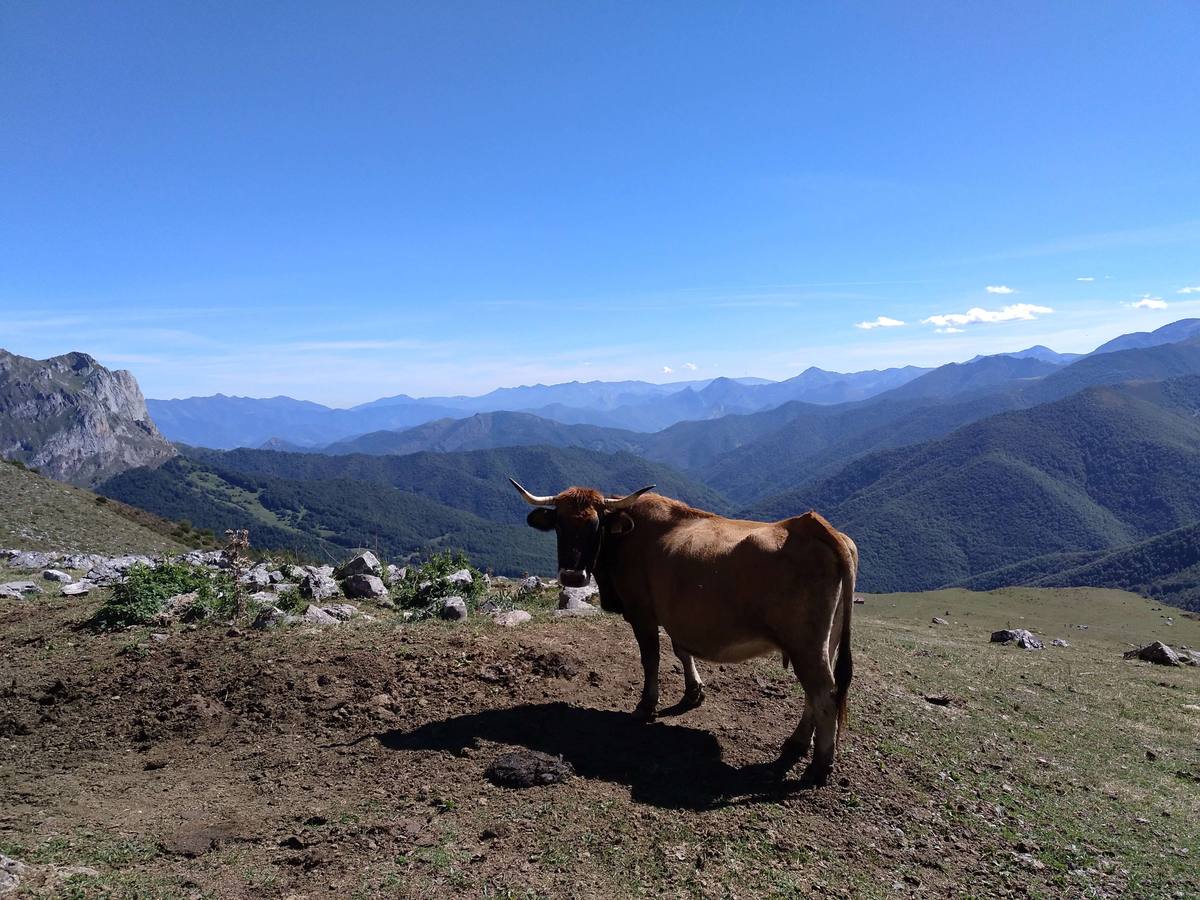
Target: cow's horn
[(611, 503), (532, 499)]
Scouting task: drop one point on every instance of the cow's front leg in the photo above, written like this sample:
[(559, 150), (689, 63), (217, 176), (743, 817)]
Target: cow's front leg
[(693, 686), (647, 639)]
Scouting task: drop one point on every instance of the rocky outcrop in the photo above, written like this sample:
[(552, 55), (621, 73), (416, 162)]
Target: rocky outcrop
[(74, 420)]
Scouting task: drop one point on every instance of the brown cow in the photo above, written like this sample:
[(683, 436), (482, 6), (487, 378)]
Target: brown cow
[(724, 589)]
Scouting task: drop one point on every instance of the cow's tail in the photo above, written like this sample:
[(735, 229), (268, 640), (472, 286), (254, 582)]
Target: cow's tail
[(843, 670)]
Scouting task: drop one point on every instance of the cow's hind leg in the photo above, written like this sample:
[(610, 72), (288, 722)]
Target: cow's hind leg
[(693, 686), (647, 638), (819, 719)]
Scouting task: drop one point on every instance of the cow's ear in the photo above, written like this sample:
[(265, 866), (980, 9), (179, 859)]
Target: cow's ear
[(621, 523), (542, 519)]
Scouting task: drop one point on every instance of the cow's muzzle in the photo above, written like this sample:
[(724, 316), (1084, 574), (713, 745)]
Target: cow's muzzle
[(572, 577)]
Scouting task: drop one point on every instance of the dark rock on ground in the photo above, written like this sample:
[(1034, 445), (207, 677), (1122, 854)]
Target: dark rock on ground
[(1157, 653), (1019, 636), (528, 768)]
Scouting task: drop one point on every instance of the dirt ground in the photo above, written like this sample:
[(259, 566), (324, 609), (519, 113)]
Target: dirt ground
[(350, 762)]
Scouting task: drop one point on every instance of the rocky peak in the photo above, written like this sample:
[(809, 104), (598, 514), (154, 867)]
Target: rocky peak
[(74, 419)]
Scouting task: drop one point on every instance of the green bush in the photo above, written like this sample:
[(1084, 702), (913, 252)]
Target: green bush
[(139, 598), (425, 601)]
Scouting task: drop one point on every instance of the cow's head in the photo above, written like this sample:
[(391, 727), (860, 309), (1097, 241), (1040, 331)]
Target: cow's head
[(581, 518)]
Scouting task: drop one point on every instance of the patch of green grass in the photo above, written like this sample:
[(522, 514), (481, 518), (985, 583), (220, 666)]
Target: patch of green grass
[(424, 587)]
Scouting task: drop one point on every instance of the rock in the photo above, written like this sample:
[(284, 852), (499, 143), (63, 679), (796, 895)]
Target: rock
[(1158, 653), (317, 585), (530, 584), (20, 587), (368, 587), (1020, 636), (174, 607), (264, 598), (159, 637), (1189, 657), (57, 575), (528, 768), (859, 599), (30, 559), (257, 577), (276, 577), (11, 871), (581, 613), (272, 617), (461, 577), (453, 608), (511, 618), (341, 611), (314, 615), (76, 588), (365, 563), (394, 574), (1059, 642), (102, 573), (577, 598), (938, 620)]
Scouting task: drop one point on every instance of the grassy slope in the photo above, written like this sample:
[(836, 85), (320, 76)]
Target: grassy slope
[(1035, 781), (38, 513)]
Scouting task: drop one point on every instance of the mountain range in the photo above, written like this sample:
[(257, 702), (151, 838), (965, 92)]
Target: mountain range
[(1029, 467)]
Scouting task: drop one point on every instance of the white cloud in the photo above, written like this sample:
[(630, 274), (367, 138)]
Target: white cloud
[(881, 322), (667, 370), (1018, 311), (691, 367), (1194, 289), (1148, 302), (999, 289), (1086, 278), (948, 330)]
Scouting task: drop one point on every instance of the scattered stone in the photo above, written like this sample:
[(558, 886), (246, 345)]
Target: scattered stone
[(859, 599), (582, 613), (20, 587), (530, 584), (365, 563), (1059, 642), (528, 768), (577, 598), (30, 559), (511, 618), (341, 611), (159, 637), (453, 608), (11, 871), (272, 617), (314, 615), (369, 587), (1020, 636), (317, 585), (264, 598), (174, 607), (461, 577), (257, 577), (76, 588), (1158, 653), (57, 575), (1189, 657), (938, 620), (394, 574)]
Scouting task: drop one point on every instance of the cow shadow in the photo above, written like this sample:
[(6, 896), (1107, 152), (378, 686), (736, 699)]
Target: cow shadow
[(671, 766)]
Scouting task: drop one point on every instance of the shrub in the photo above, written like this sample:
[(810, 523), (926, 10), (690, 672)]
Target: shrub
[(139, 598), (424, 587)]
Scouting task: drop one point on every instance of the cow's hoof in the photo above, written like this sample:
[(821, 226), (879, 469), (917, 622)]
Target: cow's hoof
[(817, 775), (643, 714), (692, 699)]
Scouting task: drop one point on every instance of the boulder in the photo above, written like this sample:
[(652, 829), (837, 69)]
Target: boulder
[(453, 609), (102, 573), (369, 587), (257, 577), (264, 598), (341, 611), (276, 577), (938, 620), (577, 597), (316, 585), (511, 618), (528, 768), (8, 593), (30, 559), (57, 575), (174, 607), (20, 587), (582, 613), (272, 617), (1157, 653), (1059, 642), (530, 584), (365, 563), (314, 615), (394, 574), (461, 577), (11, 871), (76, 588), (1019, 636)]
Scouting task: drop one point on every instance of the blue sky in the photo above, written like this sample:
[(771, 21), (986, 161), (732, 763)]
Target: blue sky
[(344, 201)]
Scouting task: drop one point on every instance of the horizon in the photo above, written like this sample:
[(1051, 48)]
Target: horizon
[(441, 202)]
